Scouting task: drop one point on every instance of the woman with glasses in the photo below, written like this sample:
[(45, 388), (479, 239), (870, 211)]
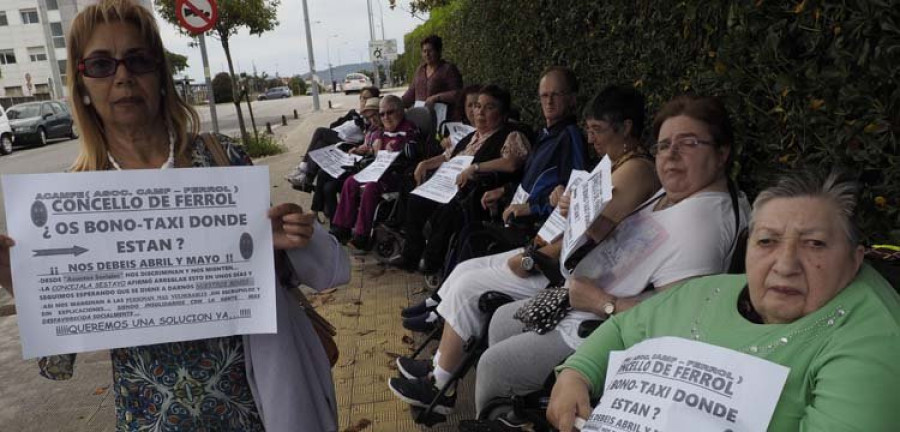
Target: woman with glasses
[(124, 100), (687, 229), (327, 187), (356, 208), (350, 128)]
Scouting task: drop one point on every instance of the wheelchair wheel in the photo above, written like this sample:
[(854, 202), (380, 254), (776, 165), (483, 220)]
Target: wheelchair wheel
[(433, 281), (388, 246)]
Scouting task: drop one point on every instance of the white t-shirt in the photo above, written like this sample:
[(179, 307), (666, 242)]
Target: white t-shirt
[(695, 237)]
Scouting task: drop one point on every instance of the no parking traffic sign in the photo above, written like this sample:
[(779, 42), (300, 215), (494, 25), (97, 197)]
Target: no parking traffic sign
[(196, 16)]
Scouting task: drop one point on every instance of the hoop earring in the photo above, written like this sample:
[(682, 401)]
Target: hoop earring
[(86, 100)]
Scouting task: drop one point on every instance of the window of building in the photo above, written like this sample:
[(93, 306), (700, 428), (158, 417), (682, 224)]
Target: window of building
[(62, 71), (7, 56), (3, 20), (14, 91), (41, 88), (52, 5), (37, 54), (59, 38), (29, 16)]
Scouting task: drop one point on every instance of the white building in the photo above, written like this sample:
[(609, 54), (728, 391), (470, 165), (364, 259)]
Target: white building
[(33, 45)]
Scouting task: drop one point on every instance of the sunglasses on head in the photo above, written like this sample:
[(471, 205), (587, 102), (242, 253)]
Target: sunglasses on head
[(106, 66)]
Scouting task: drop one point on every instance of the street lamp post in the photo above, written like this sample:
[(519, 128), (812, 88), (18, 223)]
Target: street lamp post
[(312, 62)]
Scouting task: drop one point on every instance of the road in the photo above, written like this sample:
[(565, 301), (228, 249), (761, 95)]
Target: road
[(58, 155)]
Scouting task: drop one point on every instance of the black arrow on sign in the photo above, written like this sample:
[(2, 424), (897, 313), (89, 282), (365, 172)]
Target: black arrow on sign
[(74, 250)]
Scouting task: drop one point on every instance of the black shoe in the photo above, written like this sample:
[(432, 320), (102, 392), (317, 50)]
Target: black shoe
[(304, 184), (419, 323), (412, 368), (361, 242), (495, 425), (416, 309), (427, 268), (341, 234), (420, 393)]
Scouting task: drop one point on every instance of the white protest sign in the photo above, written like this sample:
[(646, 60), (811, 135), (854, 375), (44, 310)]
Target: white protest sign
[(125, 258), (587, 201), (458, 131), (520, 197), (331, 159), (441, 187), (671, 384), (556, 223), (376, 169), (440, 113)]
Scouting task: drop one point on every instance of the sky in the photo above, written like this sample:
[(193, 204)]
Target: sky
[(342, 30)]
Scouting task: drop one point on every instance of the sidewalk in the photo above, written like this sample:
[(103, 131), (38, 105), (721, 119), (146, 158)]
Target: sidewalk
[(366, 313)]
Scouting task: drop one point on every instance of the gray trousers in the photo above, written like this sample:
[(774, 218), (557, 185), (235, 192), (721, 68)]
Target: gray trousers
[(516, 363)]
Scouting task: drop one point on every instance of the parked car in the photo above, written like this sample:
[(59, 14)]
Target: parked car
[(38, 122), (355, 82), (6, 134), (276, 93)]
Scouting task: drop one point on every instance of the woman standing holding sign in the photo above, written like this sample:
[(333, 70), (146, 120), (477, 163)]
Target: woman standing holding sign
[(130, 117), (807, 302)]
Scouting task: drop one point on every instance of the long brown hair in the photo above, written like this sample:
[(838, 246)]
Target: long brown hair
[(180, 116)]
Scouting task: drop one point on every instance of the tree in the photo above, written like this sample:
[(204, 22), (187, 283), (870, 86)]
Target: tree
[(177, 62), (223, 91), (258, 16), (274, 82), (298, 86)]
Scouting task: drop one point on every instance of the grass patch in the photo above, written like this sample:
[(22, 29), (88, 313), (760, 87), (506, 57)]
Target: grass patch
[(265, 145)]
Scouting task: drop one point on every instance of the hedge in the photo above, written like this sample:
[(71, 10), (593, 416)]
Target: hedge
[(811, 83)]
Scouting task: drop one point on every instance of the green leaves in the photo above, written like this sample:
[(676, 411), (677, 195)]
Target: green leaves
[(807, 83)]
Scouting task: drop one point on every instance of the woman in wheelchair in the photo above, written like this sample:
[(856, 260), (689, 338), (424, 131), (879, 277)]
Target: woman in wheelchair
[(615, 120), (806, 302), (496, 148), (687, 229), (355, 212), (327, 187)]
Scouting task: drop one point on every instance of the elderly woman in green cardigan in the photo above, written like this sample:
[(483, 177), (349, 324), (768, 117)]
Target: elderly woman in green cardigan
[(807, 302)]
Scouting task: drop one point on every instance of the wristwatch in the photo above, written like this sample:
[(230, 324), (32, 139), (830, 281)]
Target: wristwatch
[(527, 262), (609, 307)]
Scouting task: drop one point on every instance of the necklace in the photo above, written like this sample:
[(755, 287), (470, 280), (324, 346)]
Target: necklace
[(170, 162), (827, 321)]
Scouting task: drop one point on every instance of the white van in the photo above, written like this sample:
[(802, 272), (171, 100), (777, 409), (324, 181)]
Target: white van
[(355, 82)]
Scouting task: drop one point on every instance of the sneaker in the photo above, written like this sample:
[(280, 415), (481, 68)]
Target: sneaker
[(361, 242), (412, 368), (501, 424), (420, 393), (341, 234), (416, 309), (303, 184), (420, 323)]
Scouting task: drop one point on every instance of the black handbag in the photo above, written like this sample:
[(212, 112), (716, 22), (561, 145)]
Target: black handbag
[(544, 311)]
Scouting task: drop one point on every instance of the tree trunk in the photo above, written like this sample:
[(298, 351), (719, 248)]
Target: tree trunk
[(235, 88)]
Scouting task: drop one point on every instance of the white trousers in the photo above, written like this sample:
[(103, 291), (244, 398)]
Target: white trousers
[(472, 278)]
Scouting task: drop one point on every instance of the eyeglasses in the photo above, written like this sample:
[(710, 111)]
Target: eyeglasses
[(388, 112), (683, 144), (105, 66)]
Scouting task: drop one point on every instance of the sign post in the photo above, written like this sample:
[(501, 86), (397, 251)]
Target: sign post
[(198, 17)]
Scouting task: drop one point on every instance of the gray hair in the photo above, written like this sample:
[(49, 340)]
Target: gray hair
[(393, 101), (835, 188)]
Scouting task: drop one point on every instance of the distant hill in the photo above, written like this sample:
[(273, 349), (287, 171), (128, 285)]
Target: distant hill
[(339, 72)]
